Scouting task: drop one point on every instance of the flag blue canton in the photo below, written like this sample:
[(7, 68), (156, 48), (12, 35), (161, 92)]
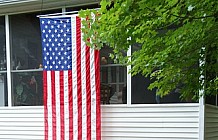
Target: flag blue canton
[(56, 43)]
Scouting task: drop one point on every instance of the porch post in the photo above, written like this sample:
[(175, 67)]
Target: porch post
[(202, 95)]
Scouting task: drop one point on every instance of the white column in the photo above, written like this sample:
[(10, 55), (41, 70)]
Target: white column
[(8, 59), (129, 88), (201, 94)]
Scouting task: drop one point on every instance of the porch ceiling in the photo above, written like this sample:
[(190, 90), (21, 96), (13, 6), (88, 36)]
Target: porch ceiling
[(20, 6)]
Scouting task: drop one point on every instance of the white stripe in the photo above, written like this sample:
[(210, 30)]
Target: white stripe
[(57, 98), (93, 94), (74, 72), (83, 74), (49, 105), (66, 105)]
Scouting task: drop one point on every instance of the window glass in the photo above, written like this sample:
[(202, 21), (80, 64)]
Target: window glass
[(3, 66), (27, 88), (140, 93), (26, 44), (26, 58), (2, 45), (113, 79)]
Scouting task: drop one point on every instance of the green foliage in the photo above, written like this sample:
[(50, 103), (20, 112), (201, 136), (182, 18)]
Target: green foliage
[(170, 34)]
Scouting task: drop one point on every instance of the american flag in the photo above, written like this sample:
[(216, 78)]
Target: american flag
[(71, 81)]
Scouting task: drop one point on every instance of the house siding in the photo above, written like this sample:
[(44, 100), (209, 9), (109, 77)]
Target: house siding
[(211, 122), (119, 122)]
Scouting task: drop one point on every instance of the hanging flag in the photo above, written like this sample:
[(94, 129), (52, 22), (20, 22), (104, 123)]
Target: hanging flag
[(71, 81)]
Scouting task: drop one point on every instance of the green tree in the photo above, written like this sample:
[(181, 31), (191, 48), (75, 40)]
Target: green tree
[(173, 37)]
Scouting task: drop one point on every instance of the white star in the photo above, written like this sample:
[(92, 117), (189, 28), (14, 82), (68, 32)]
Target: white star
[(56, 66), (46, 26), (55, 22), (65, 53), (52, 26), (52, 35), (65, 25), (53, 62), (47, 62), (62, 67), (46, 67), (50, 58), (47, 53), (65, 62), (49, 22), (62, 39), (68, 66), (50, 67), (62, 58), (43, 22), (47, 44), (43, 31)]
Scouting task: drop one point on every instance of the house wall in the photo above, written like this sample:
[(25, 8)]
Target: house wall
[(119, 122), (211, 122)]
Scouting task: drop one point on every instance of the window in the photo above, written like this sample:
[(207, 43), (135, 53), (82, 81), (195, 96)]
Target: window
[(3, 65), (113, 79), (26, 59)]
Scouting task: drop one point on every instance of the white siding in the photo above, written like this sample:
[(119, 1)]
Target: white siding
[(21, 123), (151, 122), (211, 122), (119, 122)]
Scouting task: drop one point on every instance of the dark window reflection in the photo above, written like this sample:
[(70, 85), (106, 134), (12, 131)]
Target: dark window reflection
[(113, 79), (2, 45), (142, 95), (3, 90), (27, 88), (26, 43)]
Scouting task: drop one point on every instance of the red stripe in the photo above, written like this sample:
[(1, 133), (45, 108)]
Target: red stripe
[(88, 93), (53, 105), (98, 102), (62, 116), (79, 83), (45, 104), (70, 101)]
